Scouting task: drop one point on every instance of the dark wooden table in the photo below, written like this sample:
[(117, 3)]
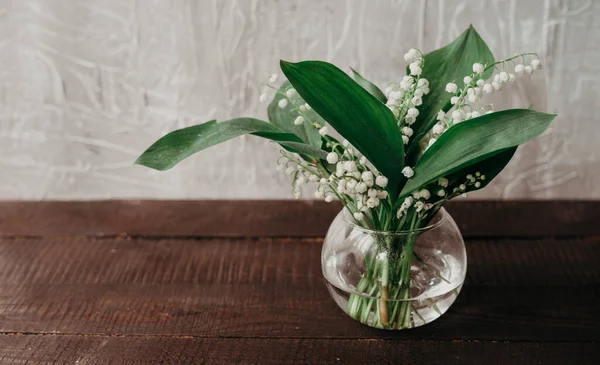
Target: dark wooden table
[(214, 282)]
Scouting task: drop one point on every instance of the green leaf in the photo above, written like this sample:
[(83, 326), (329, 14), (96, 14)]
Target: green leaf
[(360, 118), (305, 149), (177, 145), (475, 140), (448, 64), (284, 118), (490, 167), (369, 86)]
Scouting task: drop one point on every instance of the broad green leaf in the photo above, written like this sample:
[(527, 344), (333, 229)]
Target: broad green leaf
[(369, 86), (448, 64), (284, 118), (177, 145), (490, 167), (360, 118), (475, 140)]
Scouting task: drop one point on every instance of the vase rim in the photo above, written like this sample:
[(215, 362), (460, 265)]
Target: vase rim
[(442, 214)]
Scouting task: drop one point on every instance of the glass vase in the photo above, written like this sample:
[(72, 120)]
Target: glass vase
[(394, 280)]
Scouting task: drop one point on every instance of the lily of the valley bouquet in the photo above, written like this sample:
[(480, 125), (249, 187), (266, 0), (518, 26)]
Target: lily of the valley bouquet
[(404, 151)]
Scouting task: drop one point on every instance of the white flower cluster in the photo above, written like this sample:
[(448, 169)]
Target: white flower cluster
[(422, 201), (353, 181), (406, 96), (417, 201), (297, 105), (303, 172), (472, 182), (475, 87)]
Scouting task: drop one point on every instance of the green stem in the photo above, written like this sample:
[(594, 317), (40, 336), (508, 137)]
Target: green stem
[(415, 311), (384, 293), (406, 261)]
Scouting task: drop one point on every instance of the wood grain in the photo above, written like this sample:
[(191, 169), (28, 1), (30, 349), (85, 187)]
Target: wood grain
[(250, 288), (276, 218), (167, 282), (109, 350)]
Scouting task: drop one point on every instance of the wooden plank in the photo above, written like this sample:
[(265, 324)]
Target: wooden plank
[(535, 290), (277, 218), (167, 218), (107, 350)]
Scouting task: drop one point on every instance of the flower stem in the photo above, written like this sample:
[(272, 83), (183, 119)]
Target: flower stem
[(383, 294), (384, 297)]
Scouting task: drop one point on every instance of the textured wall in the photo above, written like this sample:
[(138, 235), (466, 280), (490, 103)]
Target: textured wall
[(86, 85)]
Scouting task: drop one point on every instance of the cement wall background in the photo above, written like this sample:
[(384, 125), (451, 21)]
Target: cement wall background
[(85, 86)]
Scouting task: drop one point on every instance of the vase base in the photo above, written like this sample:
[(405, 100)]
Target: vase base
[(421, 311)]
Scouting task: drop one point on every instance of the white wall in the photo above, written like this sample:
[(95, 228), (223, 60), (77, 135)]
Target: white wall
[(86, 85)]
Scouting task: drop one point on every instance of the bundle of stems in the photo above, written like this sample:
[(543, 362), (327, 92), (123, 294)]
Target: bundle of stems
[(383, 294)]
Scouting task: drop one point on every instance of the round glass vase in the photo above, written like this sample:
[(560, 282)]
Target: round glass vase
[(394, 280)]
